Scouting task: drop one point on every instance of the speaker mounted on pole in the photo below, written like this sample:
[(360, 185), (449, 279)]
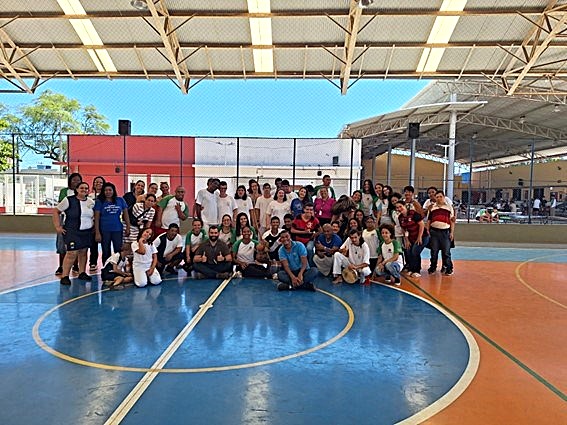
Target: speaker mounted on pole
[(413, 130), (124, 127)]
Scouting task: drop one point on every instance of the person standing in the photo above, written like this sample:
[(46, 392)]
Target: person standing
[(72, 182), (327, 184), (441, 226), (262, 206), (172, 209), (206, 204), (226, 205), (305, 228), (77, 231), (108, 227), (415, 239), (98, 182)]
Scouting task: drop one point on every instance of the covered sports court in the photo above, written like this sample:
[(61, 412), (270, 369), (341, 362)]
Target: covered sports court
[(485, 345)]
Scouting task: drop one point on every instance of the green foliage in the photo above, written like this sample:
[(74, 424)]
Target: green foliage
[(42, 125)]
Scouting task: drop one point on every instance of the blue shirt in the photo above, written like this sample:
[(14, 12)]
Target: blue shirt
[(336, 242), (293, 257), (110, 214)]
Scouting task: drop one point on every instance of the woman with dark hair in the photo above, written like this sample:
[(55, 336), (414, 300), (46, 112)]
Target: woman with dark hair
[(131, 197), (385, 217), (145, 260), (254, 192), (98, 181), (108, 227), (72, 182), (278, 207), (359, 216), (352, 224), (369, 198), (298, 203), (323, 206), (415, 237), (241, 222), (226, 231), (77, 231), (245, 256), (243, 202), (152, 189), (143, 214)]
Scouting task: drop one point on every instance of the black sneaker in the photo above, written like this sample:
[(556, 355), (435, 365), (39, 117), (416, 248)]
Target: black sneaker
[(84, 276), (432, 270), (170, 270), (443, 270), (187, 268), (59, 271), (397, 281), (309, 287), (282, 286), (65, 281), (448, 272), (223, 276), (75, 269)]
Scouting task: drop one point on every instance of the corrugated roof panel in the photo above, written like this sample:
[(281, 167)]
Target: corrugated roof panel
[(229, 60), (222, 30), (286, 5), (490, 28), (209, 6), (46, 31), (134, 31), (307, 30), (50, 61), (29, 5), (397, 29)]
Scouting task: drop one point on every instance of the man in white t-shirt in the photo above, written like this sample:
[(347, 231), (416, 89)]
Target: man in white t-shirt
[(169, 247), (172, 209), (206, 204), (262, 205), (226, 204)]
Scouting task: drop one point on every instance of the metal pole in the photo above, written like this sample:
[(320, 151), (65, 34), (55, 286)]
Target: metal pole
[(14, 162), (351, 163), (389, 166), (237, 160), (450, 174), (181, 161), (373, 169), (124, 175), (530, 205), (412, 163), (471, 154), (294, 162)]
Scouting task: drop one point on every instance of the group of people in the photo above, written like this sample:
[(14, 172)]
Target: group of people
[(261, 231)]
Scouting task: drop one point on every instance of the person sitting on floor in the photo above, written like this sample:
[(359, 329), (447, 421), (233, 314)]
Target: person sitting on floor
[(355, 255), (169, 246), (296, 273), (326, 244), (390, 260), (193, 239), (244, 256), (213, 258), (117, 270)]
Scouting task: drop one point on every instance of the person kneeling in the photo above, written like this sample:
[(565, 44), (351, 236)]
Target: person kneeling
[(390, 260), (358, 258), (212, 258), (169, 246), (145, 260)]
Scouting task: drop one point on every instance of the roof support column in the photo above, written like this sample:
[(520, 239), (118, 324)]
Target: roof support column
[(450, 176), (389, 166), (411, 164)]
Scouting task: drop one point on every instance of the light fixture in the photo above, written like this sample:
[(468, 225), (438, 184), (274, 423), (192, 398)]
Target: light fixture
[(363, 4), (556, 108), (139, 4), (261, 34), (522, 119), (441, 32), (475, 135)]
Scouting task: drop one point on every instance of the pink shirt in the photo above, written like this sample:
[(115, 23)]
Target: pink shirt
[(323, 208)]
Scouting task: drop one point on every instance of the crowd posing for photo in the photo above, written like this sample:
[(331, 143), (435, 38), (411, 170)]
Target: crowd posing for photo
[(290, 236)]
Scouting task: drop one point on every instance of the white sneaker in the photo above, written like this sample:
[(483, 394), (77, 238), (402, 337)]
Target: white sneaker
[(415, 274), (275, 276), (238, 275)]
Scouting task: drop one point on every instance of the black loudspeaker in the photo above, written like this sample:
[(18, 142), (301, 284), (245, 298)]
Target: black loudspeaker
[(413, 130), (124, 127), (335, 161)]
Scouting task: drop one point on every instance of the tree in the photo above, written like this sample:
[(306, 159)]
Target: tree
[(6, 150), (42, 125)]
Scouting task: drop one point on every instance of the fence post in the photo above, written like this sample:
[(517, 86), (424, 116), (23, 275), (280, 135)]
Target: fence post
[(530, 205), (294, 162), (237, 161), (471, 155), (15, 162), (351, 163)]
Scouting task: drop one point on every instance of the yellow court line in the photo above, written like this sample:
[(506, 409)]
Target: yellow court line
[(44, 346), (535, 291)]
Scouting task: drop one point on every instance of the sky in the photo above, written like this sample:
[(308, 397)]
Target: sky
[(231, 108)]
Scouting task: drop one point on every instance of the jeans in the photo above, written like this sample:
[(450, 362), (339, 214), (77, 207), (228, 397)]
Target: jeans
[(440, 241), (413, 255), (392, 269), (308, 276), (107, 238)]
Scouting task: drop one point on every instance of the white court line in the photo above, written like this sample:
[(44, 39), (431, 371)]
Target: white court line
[(132, 398)]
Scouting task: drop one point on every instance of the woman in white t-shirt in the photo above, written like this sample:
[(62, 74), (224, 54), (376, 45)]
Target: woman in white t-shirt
[(243, 202), (390, 260), (145, 260), (279, 207)]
